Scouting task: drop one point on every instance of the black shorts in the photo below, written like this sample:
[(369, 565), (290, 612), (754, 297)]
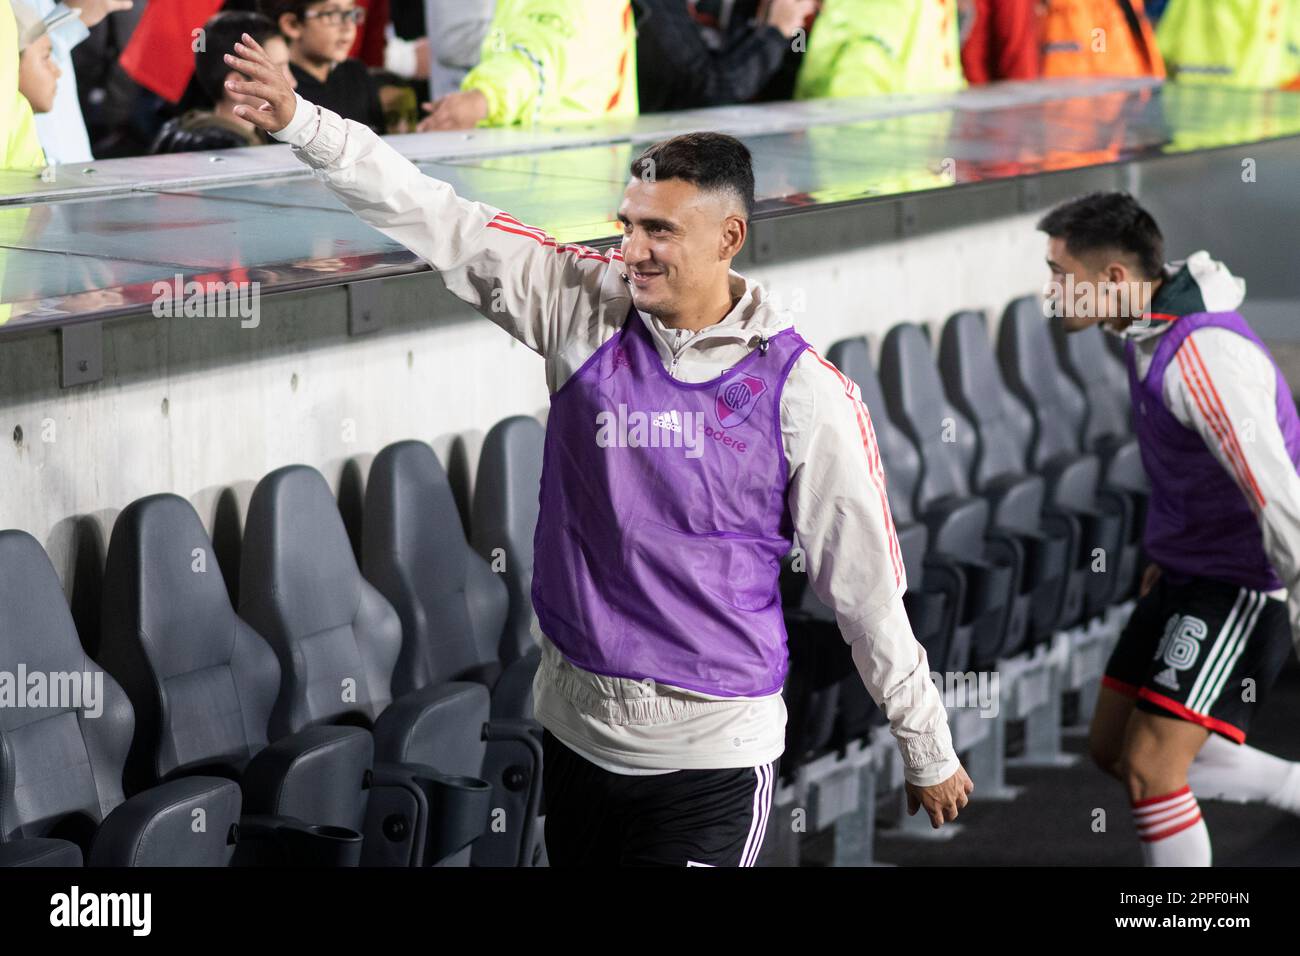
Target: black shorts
[(1205, 651), (682, 818)]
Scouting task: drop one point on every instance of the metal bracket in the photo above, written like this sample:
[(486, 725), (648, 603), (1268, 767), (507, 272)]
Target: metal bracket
[(81, 354), (363, 306)]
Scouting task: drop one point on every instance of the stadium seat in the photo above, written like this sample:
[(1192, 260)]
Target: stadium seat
[(453, 611), (338, 640), (1027, 358), (1099, 406), (935, 586), (1027, 504), (504, 522), (203, 683), (960, 524), (61, 761)]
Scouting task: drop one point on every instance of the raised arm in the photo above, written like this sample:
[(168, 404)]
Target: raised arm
[(543, 293)]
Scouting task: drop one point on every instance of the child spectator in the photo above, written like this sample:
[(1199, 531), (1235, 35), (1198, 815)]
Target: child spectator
[(219, 127), (320, 33)]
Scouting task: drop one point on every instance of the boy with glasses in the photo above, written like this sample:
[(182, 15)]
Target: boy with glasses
[(320, 34)]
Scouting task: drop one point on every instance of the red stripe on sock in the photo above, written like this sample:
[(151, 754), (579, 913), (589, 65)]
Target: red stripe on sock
[(1149, 801), (1172, 831)]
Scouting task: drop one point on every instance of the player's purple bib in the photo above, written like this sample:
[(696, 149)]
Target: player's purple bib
[(1199, 524), (663, 519)]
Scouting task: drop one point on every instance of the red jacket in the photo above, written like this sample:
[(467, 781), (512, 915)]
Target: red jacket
[(160, 54), (369, 44), (1003, 41)]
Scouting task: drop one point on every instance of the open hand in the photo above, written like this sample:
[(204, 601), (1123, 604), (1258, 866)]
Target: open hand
[(265, 81)]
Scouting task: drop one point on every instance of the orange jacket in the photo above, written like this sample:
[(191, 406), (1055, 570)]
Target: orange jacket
[(1099, 38)]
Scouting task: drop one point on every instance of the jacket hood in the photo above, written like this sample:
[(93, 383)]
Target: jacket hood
[(1196, 284)]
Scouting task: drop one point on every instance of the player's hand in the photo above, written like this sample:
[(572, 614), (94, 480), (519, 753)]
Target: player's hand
[(463, 110), (263, 80), (943, 800), (93, 11), (1149, 578)]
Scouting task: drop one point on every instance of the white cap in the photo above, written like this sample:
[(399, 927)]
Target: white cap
[(30, 25)]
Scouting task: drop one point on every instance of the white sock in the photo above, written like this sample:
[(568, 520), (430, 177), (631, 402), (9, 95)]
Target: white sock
[(1171, 830), (1227, 771)]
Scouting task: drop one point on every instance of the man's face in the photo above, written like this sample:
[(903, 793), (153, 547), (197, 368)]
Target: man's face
[(327, 31), (38, 75), (677, 238), (1094, 288)]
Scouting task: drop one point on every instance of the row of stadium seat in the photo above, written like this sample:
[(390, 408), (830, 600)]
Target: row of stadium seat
[(340, 717), (1018, 496), (370, 702)]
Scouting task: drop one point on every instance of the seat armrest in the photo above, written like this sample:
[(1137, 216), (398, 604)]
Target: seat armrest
[(40, 851), (317, 775), (186, 822)]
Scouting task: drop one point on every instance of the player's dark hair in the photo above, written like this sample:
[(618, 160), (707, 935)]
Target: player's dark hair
[(220, 34), (710, 161), (1103, 221)]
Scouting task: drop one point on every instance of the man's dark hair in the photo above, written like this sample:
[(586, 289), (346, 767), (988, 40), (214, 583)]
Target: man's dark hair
[(1103, 221), (710, 161), (220, 34)]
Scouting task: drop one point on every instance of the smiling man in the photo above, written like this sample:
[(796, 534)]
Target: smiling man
[(655, 586)]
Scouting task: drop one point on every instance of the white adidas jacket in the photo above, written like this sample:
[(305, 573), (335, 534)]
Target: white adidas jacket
[(563, 302)]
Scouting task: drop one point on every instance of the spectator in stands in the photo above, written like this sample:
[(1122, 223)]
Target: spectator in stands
[(1242, 43), (38, 74), (456, 30), (709, 53), (1000, 40), (19, 146), (62, 129), (220, 127), (320, 34), (1099, 38), (546, 61), (870, 47)]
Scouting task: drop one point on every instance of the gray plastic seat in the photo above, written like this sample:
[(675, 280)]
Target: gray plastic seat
[(1027, 357), (960, 525), (1099, 406), (507, 490), (453, 610), (61, 761), (203, 683), (337, 641), (932, 591), (1026, 503)]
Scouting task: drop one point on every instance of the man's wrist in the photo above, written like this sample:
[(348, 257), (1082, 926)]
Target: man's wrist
[(301, 129)]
